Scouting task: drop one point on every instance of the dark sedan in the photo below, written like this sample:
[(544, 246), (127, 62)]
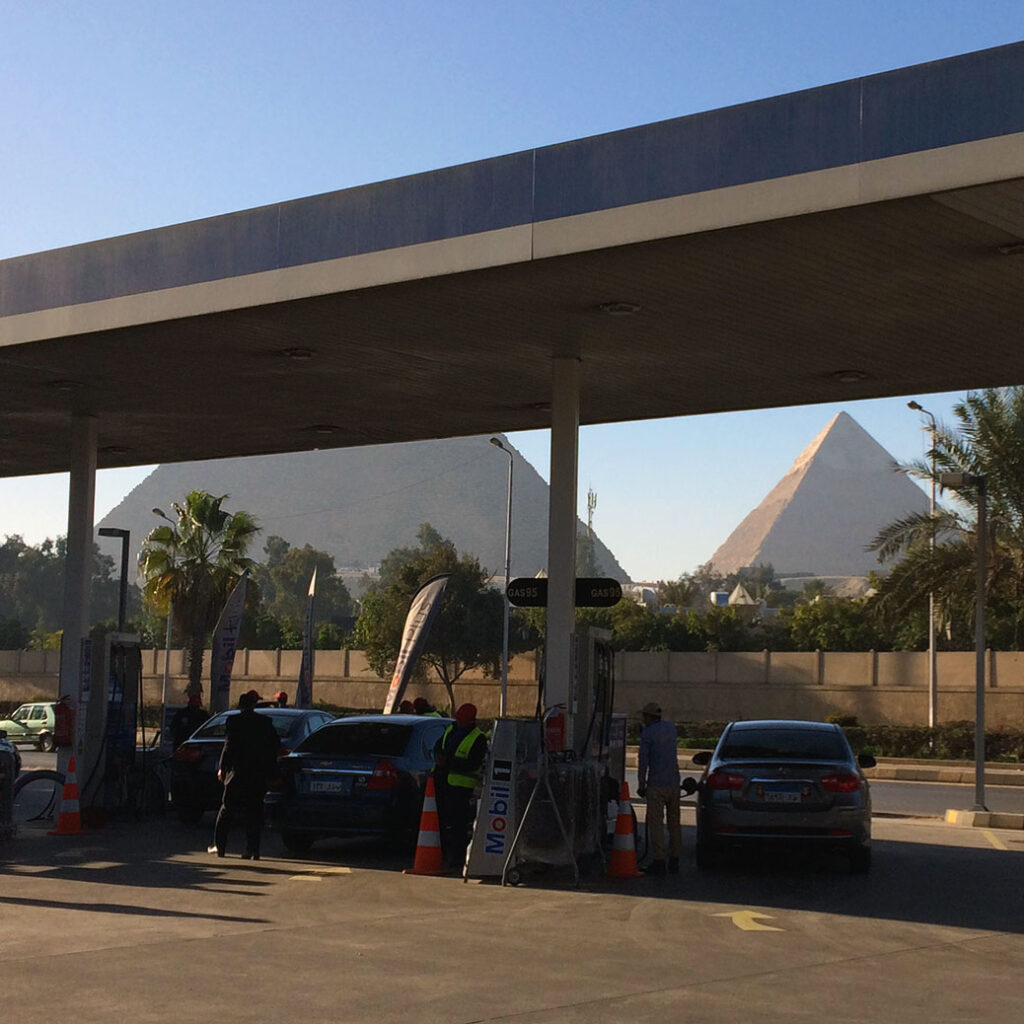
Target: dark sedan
[(784, 782), (358, 776), (195, 787)]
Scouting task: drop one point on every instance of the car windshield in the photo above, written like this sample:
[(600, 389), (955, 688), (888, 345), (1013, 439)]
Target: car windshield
[(216, 728), (780, 744), (359, 739), (21, 714)]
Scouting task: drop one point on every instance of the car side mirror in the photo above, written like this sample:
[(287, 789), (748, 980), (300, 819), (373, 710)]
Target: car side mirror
[(866, 760), (701, 757), (689, 785)]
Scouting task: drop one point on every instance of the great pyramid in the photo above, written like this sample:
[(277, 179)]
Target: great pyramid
[(820, 517), (358, 504)]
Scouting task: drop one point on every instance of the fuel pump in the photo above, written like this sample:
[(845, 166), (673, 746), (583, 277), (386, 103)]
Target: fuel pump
[(548, 780), (113, 717)]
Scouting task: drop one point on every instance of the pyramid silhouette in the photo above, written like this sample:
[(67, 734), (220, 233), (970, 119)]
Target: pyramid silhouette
[(358, 504), (820, 517)]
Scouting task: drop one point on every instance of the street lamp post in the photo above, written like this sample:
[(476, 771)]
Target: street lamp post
[(933, 683), (122, 601), (956, 481), (503, 706)]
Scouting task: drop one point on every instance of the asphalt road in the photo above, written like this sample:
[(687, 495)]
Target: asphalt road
[(907, 798)]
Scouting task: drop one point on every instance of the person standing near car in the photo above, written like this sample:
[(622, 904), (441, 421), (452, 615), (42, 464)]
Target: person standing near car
[(187, 719), (248, 763), (421, 706), (458, 765), (658, 781)]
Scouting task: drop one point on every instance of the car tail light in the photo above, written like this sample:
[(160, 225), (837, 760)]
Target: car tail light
[(844, 782), (283, 751), (385, 776), (187, 752), (726, 780)]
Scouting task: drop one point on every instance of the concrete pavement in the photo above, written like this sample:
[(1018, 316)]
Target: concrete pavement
[(134, 923)]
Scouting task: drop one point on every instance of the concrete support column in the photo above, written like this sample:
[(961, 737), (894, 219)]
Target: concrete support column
[(78, 567), (561, 616)]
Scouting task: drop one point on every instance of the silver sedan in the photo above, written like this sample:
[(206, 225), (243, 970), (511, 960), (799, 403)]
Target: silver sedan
[(784, 782)]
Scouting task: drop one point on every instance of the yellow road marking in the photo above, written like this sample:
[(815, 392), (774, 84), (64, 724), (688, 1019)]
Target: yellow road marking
[(318, 874), (994, 839), (745, 920)]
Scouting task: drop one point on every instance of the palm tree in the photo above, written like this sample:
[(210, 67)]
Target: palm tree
[(988, 440), (191, 567)]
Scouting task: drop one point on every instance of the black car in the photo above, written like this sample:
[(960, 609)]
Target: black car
[(357, 776), (195, 787), (784, 783)]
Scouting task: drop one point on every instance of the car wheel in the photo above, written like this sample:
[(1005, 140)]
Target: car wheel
[(296, 842), (45, 742), (707, 855), (190, 815), (860, 860)]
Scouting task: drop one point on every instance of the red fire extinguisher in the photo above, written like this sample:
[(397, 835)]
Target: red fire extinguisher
[(554, 730), (63, 724)]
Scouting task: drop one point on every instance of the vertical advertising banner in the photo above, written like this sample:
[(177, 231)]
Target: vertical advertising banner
[(225, 643), (304, 691), (422, 612)]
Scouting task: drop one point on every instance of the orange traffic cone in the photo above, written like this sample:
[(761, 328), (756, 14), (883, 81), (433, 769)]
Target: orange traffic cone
[(622, 863), (69, 820), (429, 860)]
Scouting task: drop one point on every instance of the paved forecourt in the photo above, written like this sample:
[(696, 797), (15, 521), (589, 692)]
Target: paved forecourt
[(133, 924)]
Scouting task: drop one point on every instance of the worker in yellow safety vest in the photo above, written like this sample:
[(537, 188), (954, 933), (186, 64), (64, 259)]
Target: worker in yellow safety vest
[(421, 706), (458, 764)]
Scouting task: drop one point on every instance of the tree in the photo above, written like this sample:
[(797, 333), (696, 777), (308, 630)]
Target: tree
[(987, 440), (284, 585), (192, 566), (682, 593), (467, 632), (32, 586)]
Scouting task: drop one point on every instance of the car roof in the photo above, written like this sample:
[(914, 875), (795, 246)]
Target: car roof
[(287, 712), (784, 723), (395, 719)]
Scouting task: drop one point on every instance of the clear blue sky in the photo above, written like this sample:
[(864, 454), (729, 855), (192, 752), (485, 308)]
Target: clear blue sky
[(122, 116)]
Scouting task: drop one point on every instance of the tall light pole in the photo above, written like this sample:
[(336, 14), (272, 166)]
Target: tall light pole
[(170, 620), (933, 683), (503, 706), (958, 481)]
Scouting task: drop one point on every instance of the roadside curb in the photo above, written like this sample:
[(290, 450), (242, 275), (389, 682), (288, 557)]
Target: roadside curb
[(984, 819)]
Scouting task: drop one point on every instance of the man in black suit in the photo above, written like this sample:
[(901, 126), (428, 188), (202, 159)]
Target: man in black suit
[(247, 765)]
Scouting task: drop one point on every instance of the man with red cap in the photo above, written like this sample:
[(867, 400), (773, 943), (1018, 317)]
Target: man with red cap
[(247, 764), (187, 719), (458, 764)]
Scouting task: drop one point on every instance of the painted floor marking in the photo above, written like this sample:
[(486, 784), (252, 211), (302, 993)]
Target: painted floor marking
[(746, 921), (318, 874), (994, 839)]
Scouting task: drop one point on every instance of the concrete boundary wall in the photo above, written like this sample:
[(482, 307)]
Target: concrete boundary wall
[(876, 687)]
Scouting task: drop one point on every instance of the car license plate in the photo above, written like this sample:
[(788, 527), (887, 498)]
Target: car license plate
[(779, 794), (327, 786)]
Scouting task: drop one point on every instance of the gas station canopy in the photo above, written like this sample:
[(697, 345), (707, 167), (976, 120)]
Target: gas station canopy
[(856, 240)]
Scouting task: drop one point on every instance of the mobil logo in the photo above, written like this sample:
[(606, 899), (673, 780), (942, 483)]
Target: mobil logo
[(496, 824)]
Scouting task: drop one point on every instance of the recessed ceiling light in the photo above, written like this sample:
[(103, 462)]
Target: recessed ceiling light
[(298, 354), (619, 308), (115, 449), (323, 428), (65, 385), (1013, 249), (849, 376)]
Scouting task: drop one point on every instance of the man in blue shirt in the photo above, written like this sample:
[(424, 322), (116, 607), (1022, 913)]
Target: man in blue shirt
[(658, 780)]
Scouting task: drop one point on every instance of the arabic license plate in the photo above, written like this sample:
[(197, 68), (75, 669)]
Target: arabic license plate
[(776, 797), (326, 786)]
